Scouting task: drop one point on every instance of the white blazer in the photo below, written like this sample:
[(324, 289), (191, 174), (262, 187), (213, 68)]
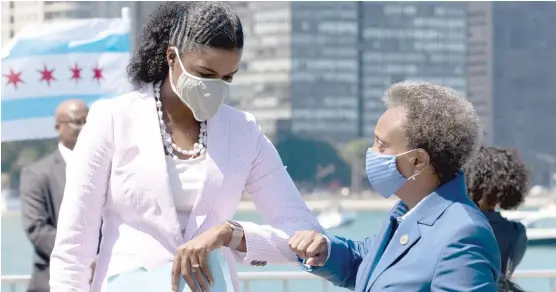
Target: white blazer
[(118, 172)]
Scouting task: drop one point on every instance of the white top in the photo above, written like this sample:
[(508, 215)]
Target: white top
[(134, 200), (400, 219), (186, 181), (65, 152)]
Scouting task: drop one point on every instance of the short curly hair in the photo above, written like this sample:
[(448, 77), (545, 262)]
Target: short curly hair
[(438, 120), (497, 176), (187, 26)]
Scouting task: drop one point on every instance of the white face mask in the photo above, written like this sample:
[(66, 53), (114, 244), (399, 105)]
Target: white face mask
[(203, 96)]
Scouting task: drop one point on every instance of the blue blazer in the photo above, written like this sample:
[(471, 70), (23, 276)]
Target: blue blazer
[(445, 244)]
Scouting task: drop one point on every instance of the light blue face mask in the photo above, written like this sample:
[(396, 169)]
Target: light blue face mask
[(383, 174)]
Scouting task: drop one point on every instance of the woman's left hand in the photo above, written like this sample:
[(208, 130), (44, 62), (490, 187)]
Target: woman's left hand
[(191, 260)]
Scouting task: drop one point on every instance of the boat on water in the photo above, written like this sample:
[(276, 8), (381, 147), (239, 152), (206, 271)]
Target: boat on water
[(335, 217), (524, 213), (541, 228)]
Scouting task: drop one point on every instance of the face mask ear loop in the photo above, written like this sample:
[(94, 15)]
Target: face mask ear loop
[(172, 85), (172, 82), (179, 59), (416, 174), (413, 176), (404, 153)]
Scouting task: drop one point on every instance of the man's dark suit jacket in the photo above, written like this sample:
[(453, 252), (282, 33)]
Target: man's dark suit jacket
[(41, 190)]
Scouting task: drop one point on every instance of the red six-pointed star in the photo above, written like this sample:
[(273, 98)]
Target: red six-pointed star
[(47, 75), (14, 78), (75, 72), (97, 73)]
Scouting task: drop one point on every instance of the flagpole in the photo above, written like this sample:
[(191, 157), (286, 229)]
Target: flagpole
[(133, 13)]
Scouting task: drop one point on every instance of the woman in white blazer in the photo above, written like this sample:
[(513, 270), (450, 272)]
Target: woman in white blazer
[(165, 166)]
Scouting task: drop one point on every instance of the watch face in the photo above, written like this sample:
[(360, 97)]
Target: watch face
[(234, 223)]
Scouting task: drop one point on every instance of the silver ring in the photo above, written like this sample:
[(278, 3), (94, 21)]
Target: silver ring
[(195, 267)]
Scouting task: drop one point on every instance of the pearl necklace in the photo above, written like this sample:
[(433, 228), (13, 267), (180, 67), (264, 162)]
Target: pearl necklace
[(199, 148)]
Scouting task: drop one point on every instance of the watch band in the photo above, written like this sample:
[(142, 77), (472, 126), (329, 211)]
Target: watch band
[(237, 234)]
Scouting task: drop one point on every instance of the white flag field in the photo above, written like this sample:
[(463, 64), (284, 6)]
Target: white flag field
[(47, 63)]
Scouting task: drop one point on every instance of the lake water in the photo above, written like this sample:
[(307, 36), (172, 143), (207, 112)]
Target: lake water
[(16, 255)]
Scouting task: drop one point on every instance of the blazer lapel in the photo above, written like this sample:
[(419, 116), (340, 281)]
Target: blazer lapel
[(378, 249), (149, 141), (216, 162), (404, 238), (428, 211)]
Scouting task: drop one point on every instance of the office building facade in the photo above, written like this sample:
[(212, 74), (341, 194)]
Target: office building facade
[(325, 65), (300, 68), (511, 78), (410, 41)]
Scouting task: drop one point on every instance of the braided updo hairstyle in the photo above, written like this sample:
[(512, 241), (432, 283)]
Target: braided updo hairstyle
[(187, 26)]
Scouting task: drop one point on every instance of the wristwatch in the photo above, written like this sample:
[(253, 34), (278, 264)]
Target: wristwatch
[(237, 234)]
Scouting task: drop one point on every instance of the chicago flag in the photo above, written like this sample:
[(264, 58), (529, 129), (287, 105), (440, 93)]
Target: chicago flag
[(47, 63)]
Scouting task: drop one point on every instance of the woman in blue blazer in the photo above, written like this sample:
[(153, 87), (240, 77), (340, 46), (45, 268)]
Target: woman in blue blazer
[(435, 238)]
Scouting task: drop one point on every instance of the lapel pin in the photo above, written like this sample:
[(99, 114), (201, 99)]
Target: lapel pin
[(404, 239)]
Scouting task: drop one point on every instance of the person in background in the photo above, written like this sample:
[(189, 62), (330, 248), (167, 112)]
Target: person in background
[(42, 188), (498, 180), (435, 238), (167, 165)]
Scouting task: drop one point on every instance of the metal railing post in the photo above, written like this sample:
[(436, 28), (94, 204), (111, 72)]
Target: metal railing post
[(286, 285), (552, 285), (325, 286), (246, 285)]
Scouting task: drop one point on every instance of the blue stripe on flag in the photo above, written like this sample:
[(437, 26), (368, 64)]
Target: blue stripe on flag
[(40, 107), (110, 44)]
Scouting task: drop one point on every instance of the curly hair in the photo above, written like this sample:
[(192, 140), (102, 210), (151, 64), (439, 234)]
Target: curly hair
[(438, 120), (187, 26), (497, 176)]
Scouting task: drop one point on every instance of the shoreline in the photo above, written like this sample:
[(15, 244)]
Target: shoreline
[(348, 204), (317, 205), (367, 204)]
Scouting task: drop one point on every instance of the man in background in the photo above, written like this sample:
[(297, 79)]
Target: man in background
[(42, 189)]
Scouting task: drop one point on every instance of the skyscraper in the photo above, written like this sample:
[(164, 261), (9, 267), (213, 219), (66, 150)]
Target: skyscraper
[(300, 67), (512, 77), (325, 65), (410, 41)]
